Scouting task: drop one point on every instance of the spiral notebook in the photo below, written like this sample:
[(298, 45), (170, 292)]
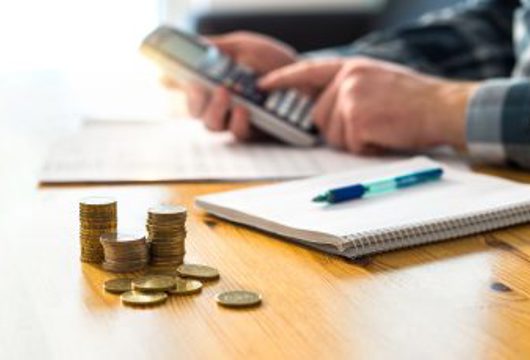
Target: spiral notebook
[(460, 204)]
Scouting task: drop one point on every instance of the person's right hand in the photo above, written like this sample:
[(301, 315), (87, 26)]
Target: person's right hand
[(260, 53), (367, 105)]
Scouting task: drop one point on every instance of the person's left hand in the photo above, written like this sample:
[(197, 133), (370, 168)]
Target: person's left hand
[(256, 51), (365, 104)]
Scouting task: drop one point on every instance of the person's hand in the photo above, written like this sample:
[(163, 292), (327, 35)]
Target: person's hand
[(258, 52), (366, 105)]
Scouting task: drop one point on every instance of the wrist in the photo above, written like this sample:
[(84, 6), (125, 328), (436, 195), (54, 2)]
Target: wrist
[(451, 117)]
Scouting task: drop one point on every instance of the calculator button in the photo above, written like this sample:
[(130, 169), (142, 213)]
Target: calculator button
[(281, 100), (256, 96), (237, 85), (230, 78), (273, 101), (307, 118), (237, 74), (300, 107), (247, 81), (287, 103), (259, 96), (246, 84)]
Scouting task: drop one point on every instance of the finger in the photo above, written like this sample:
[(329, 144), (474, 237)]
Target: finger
[(324, 106), (237, 48), (228, 44), (239, 124), (309, 73), (335, 131), (216, 111), (353, 141), (197, 98), (311, 93)]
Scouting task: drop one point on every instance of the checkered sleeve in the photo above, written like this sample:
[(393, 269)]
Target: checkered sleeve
[(471, 41), (498, 122), (498, 119)]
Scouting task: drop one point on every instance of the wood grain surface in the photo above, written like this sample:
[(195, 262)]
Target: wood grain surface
[(462, 299)]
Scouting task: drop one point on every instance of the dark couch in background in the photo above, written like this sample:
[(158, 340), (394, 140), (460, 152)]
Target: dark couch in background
[(308, 31)]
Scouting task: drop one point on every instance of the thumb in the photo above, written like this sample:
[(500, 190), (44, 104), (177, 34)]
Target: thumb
[(228, 44), (303, 74)]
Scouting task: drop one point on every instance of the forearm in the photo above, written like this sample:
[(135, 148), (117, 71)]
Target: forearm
[(488, 120)]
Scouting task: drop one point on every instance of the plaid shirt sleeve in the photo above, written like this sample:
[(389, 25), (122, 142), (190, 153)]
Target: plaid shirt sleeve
[(498, 121), (479, 40)]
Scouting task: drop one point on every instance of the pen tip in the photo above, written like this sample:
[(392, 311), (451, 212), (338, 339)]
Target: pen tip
[(320, 198)]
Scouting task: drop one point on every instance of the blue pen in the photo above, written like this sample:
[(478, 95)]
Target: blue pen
[(361, 190)]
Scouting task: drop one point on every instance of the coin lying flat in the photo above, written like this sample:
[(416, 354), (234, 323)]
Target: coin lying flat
[(140, 298), (196, 271), (186, 287), (153, 283), (118, 285), (238, 298)]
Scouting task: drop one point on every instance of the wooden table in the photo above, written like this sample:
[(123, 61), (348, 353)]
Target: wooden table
[(463, 299)]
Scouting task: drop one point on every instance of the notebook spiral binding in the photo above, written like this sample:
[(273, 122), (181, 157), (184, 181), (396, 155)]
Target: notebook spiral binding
[(370, 242)]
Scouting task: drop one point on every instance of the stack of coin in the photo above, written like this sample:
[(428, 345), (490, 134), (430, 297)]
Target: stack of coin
[(97, 215), (167, 232), (124, 253)]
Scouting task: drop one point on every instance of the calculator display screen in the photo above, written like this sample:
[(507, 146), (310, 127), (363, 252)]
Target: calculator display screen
[(184, 50)]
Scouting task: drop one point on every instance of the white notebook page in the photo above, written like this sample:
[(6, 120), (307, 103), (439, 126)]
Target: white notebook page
[(287, 208), (182, 150)]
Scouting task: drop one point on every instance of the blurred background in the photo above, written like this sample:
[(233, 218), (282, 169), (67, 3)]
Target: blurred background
[(77, 34), (94, 43), (66, 60)]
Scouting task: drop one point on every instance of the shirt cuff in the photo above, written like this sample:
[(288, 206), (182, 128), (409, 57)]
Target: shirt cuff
[(498, 122)]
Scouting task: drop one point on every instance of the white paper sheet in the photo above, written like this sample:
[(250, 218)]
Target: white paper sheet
[(287, 209), (182, 151)]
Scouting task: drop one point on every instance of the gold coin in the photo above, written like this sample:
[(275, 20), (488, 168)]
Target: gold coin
[(124, 268), (154, 283), (198, 271), (238, 298), (98, 214), (186, 287), (167, 210), (140, 298), (97, 201), (118, 285), (122, 238), (169, 262), (99, 217)]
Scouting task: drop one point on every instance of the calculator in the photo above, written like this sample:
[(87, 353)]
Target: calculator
[(285, 114)]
